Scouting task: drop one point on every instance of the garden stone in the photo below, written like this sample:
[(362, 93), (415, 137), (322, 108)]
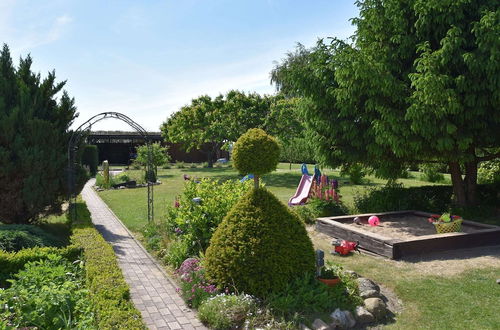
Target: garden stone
[(376, 306), (369, 294), (365, 284), (318, 324), (363, 315), (498, 281), (342, 319), (303, 327)]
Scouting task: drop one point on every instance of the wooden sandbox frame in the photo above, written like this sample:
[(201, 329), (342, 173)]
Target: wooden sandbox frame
[(400, 248)]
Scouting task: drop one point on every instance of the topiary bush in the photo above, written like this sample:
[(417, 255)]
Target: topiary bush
[(256, 152), (259, 247)]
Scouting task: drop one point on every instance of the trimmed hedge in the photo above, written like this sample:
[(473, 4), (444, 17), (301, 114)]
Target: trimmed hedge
[(13, 262), (108, 290)]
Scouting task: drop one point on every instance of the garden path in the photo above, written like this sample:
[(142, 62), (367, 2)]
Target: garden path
[(152, 291)]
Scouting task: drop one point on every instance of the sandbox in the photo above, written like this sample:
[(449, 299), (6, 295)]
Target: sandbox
[(406, 233)]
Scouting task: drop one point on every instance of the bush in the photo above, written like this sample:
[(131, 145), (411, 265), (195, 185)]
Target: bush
[(16, 237), (431, 172), (109, 293), (307, 296), (433, 199), (179, 164), (489, 172), (356, 173), (317, 208), (167, 166), (48, 294), (90, 157), (256, 152), (194, 286), (259, 246), (13, 262), (188, 228), (226, 311), (100, 182)]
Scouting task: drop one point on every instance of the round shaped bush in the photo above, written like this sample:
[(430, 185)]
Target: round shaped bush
[(259, 246), (256, 152)]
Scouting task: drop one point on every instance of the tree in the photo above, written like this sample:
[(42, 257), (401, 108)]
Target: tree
[(34, 125), (159, 155), (215, 122), (419, 83)]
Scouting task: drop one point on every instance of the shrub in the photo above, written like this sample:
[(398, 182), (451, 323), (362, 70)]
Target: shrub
[(17, 237), (306, 296), (189, 227), (101, 182), (109, 293), (256, 152), (159, 156), (430, 172), (13, 262), (48, 294), (356, 173), (397, 198), (489, 172), (90, 157), (192, 165), (259, 246), (226, 311), (179, 164), (195, 288), (167, 166)]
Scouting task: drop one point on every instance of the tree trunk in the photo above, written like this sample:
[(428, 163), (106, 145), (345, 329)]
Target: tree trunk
[(458, 184), (256, 181), (290, 165), (471, 182)]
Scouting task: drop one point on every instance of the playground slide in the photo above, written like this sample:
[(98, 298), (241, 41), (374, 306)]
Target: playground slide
[(302, 190)]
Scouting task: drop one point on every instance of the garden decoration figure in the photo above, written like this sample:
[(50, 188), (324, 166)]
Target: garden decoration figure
[(373, 221), (357, 220)]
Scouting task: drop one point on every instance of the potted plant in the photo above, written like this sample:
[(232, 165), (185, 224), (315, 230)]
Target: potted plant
[(328, 276), (446, 223)]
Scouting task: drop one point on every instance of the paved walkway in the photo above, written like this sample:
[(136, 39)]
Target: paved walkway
[(152, 291)]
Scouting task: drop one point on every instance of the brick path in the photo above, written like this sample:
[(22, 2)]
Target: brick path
[(152, 291)]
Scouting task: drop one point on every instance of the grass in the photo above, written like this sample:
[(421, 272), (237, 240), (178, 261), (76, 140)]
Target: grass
[(130, 204), (464, 299), (431, 299)]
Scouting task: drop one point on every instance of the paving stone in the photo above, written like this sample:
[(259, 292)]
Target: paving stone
[(152, 292)]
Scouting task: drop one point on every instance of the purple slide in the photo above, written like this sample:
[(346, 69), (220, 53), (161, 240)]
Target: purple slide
[(303, 190)]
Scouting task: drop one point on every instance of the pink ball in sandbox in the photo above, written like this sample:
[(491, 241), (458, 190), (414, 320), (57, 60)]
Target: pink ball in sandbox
[(373, 220)]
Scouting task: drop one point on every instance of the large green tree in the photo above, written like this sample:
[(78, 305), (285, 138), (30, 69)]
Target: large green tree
[(209, 123), (418, 82), (34, 125)]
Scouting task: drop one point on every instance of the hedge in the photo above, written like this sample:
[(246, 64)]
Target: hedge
[(108, 290)]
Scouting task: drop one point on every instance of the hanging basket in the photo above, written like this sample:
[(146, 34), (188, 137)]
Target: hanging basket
[(448, 227)]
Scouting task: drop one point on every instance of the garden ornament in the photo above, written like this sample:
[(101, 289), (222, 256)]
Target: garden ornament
[(357, 220)]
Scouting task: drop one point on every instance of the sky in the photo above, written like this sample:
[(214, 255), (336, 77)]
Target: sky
[(146, 59)]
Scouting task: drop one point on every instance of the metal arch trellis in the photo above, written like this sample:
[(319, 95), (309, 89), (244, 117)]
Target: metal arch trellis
[(73, 146)]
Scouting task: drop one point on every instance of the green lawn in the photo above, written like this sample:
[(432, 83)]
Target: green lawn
[(130, 204), (455, 293)]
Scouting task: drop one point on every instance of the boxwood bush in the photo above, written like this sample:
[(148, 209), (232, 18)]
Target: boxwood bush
[(109, 293), (259, 247)]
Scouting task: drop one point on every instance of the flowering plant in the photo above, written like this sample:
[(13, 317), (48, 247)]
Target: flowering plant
[(444, 218), (195, 288)]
